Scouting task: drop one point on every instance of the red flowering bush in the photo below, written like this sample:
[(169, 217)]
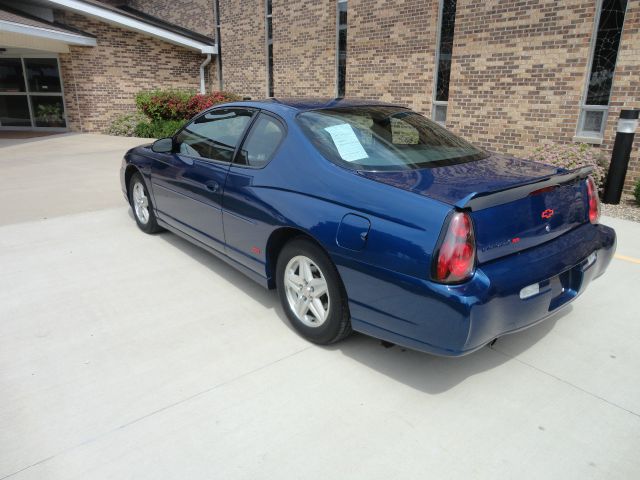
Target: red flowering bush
[(177, 105), (200, 102), (163, 104), (167, 110)]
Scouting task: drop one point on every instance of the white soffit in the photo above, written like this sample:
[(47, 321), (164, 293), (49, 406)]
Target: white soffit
[(11, 32)]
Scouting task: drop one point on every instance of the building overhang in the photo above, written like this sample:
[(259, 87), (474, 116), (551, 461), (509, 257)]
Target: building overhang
[(24, 32), (113, 17)]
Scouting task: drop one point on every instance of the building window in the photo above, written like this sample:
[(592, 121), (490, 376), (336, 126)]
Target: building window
[(595, 103), (341, 59), (269, 32), (443, 60), (31, 93)]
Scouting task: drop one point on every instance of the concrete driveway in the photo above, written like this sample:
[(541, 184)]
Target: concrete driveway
[(124, 355)]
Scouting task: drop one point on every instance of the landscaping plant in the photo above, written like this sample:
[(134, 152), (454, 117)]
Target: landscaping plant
[(162, 112), (125, 125), (572, 156), (158, 128)]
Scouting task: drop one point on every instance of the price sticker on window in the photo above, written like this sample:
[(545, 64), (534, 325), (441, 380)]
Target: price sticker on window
[(344, 138)]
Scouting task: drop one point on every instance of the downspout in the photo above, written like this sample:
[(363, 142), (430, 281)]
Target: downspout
[(202, 81)]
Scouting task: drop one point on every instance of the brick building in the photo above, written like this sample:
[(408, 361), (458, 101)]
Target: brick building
[(508, 75), (72, 64)]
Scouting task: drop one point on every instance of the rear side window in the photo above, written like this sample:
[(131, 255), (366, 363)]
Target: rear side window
[(261, 142), (215, 134)]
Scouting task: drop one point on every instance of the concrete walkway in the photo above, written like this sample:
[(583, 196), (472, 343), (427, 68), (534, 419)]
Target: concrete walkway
[(124, 355)]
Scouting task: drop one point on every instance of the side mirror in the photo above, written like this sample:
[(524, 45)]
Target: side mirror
[(163, 145)]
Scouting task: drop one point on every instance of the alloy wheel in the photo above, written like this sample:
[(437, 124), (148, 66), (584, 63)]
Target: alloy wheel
[(140, 203), (307, 291)]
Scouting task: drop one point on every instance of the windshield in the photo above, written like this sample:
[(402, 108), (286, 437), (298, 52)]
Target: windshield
[(384, 138)]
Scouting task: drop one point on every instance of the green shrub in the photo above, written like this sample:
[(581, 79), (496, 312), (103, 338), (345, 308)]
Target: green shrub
[(158, 128), (636, 192), (125, 125), (572, 156)]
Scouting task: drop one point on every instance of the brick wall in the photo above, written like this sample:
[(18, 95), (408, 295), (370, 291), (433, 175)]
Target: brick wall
[(243, 47), (517, 73), (391, 51), (626, 88), (304, 48), (196, 15), (101, 82)]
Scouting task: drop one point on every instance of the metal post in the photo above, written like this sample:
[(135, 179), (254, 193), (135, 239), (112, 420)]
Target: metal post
[(627, 125)]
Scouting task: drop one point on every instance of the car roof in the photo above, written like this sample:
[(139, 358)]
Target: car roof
[(311, 103)]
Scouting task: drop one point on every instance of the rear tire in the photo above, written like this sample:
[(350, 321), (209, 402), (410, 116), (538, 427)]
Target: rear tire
[(141, 204), (311, 292)]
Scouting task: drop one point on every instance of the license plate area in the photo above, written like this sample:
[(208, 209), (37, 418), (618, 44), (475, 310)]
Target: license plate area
[(565, 286)]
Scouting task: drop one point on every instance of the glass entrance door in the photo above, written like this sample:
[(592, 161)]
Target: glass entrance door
[(31, 93)]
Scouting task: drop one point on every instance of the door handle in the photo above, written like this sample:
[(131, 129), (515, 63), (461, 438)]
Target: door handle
[(212, 186)]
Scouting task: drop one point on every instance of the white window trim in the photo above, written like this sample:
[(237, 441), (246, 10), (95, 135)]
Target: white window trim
[(116, 18), (46, 33), (594, 137)]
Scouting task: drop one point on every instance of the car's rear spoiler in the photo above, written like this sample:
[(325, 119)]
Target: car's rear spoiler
[(482, 200)]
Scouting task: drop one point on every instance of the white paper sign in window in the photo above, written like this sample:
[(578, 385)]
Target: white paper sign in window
[(349, 147)]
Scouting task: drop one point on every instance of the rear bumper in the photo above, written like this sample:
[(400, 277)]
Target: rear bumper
[(456, 320)]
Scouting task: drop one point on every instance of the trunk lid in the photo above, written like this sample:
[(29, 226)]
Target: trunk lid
[(515, 204)]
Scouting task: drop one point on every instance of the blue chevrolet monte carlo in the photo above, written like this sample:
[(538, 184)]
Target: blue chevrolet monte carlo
[(370, 217)]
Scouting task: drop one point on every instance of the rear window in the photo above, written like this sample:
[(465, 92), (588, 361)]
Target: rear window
[(384, 138)]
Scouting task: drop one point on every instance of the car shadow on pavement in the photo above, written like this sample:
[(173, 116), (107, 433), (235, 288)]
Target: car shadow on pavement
[(421, 371), (433, 374), (268, 298)]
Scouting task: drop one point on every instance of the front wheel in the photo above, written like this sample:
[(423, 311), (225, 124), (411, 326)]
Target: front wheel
[(141, 204), (311, 292)]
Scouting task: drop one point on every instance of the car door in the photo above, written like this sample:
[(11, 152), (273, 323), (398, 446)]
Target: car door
[(188, 184), (248, 216)]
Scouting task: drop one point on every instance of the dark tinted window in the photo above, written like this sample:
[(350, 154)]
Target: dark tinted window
[(48, 110), (605, 53), (446, 48), (384, 138), (14, 111), (262, 141), (214, 135), (43, 75), (11, 77), (342, 47)]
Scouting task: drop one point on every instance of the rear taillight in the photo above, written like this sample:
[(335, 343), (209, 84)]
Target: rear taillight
[(455, 258), (594, 201)]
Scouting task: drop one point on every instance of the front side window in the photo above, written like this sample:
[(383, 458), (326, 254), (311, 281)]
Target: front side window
[(215, 134), (603, 63), (261, 142), (384, 138)]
